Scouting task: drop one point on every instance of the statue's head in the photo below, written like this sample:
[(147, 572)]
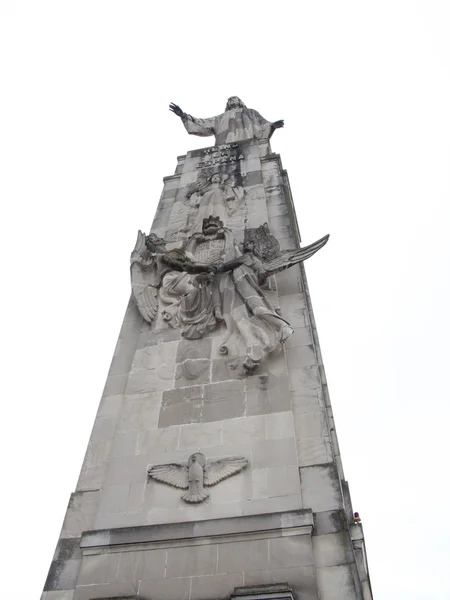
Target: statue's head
[(211, 225), (152, 242), (234, 102), (216, 178)]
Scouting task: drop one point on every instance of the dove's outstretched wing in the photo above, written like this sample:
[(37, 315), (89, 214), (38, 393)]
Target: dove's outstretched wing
[(145, 279), (289, 258), (217, 470), (172, 474)]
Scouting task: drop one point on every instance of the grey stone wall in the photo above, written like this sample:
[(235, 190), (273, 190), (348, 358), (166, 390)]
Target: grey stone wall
[(166, 398)]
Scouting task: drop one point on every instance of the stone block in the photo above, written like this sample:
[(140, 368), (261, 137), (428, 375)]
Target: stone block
[(147, 564), (192, 372), (130, 469), (92, 477), (267, 394), (200, 435), (289, 282), (336, 583), (259, 483), (223, 371), (136, 497), (332, 549), (115, 384), (190, 561), (283, 481), (117, 590), (290, 551), (274, 453), (293, 309), (302, 336), (123, 355), (114, 498), (139, 412), (188, 349), (305, 378), (98, 452), (99, 568), (151, 380), (67, 548), (242, 556), (248, 429), (306, 401), (110, 405), (271, 505), (252, 178), (300, 356), (181, 406), (62, 574), (115, 520), (80, 513), (320, 487), (330, 521), (124, 444), (280, 425), (223, 400), (311, 425), (58, 595), (314, 451), (157, 441), (104, 428), (166, 589)]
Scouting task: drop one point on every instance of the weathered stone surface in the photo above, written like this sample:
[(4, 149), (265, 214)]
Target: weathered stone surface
[(243, 556), (320, 487), (181, 406), (188, 562), (192, 372), (223, 401), (291, 551), (267, 394)]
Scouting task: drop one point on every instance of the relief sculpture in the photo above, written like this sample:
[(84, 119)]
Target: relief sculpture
[(195, 475), (219, 195), (211, 279)]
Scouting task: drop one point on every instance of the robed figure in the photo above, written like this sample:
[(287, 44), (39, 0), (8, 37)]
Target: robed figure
[(237, 123)]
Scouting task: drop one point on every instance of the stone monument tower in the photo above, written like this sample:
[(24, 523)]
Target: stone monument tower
[(213, 469)]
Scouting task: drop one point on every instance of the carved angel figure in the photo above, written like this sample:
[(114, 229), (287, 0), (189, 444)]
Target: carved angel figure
[(263, 254), (196, 474), (146, 271)]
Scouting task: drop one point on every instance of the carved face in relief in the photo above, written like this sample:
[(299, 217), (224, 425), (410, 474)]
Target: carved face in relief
[(216, 178), (234, 102)]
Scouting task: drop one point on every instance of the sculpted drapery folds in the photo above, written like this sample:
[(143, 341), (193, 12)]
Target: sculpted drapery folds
[(219, 195), (211, 280), (237, 123)]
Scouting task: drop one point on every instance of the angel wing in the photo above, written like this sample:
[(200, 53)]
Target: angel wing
[(145, 279), (217, 470), (289, 258), (172, 474)]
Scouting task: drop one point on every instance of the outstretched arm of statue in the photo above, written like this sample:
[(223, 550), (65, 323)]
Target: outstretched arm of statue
[(276, 125), (194, 126), (176, 109)]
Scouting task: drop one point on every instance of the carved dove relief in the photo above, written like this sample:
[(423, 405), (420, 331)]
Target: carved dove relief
[(195, 475)]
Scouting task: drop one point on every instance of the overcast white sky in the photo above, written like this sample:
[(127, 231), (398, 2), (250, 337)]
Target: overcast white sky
[(85, 139)]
